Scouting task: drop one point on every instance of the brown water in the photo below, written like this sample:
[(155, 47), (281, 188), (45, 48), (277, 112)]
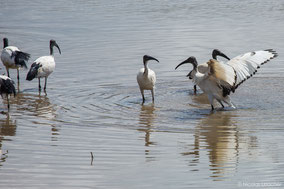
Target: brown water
[(93, 103)]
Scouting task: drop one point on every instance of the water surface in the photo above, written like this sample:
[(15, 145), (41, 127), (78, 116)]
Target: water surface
[(93, 103)]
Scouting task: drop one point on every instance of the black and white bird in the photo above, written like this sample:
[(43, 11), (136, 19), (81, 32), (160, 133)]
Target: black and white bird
[(43, 66), (220, 79), (146, 77), (7, 88), (203, 67), (13, 58)]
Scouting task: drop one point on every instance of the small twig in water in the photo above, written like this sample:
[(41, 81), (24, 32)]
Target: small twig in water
[(92, 158)]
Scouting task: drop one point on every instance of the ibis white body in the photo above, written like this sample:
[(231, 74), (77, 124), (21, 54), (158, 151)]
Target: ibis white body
[(7, 57), (43, 66), (13, 58), (146, 78), (46, 66)]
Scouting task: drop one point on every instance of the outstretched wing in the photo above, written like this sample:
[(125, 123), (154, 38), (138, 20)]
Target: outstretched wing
[(246, 65)]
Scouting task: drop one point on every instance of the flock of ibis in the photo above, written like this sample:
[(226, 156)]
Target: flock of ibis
[(13, 58), (215, 78)]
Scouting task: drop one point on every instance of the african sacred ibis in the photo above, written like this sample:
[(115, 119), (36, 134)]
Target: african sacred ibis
[(13, 58), (7, 87), (146, 77), (43, 66), (203, 67), (220, 79)]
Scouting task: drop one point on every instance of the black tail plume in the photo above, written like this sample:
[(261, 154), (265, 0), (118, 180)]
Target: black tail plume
[(7, 86), (21, 58)]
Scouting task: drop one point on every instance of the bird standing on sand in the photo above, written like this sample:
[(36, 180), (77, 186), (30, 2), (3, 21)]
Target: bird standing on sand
[(220, 79), (146, 77), (43, 66), (6, 88), (13, 58)]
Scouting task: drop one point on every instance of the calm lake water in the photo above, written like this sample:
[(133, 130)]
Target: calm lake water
[(93, 103)]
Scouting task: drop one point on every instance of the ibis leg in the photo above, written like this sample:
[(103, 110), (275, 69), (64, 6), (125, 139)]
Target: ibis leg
[(211, 99), (8, 102), (142, 93), (8, 72), (221, 103), (39, 87), (194, 89), (18, 75), (45, 84), (153, 93)]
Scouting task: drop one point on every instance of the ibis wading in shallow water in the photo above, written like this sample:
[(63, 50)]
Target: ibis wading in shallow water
[(146, 77), (13, 58), (203, 67), (7, 87), (43, 66), (220, 79)]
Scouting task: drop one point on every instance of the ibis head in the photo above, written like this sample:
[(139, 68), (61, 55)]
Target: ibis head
[(52, 44), (146, 58), (191, 60), (217, 52)]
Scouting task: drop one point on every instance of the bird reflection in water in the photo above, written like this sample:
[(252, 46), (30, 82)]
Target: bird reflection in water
[(7, 128), (146, 124), (219, 135), (39, 106)]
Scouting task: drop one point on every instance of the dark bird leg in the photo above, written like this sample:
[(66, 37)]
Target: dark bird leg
[(45, 84), (39, 87), (152, 92), (8, 72), (221, 103), (194, 89), (212, 107), (8, 102), (18, 75), (142, 93)]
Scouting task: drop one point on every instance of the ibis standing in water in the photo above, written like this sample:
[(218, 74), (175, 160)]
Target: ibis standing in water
[(7, 88), (220, 79), (13, 58), (43, 66), (146, 78)]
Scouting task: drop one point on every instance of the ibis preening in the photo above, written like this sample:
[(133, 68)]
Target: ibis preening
[(13, 58), (146, 77), (218, 80), (43, 66), (202, 68), (7, 87)]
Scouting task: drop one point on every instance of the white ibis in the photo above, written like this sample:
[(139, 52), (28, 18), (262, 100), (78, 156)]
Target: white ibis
[(203, 67), (219, 80), (13, 58), (7, 87), (146, 77), (43, 66)]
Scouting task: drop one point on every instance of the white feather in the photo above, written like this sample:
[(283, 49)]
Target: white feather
[(247, 64), (47, 66)]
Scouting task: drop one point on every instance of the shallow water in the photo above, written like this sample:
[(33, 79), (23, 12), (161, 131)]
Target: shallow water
[(93, 103)]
